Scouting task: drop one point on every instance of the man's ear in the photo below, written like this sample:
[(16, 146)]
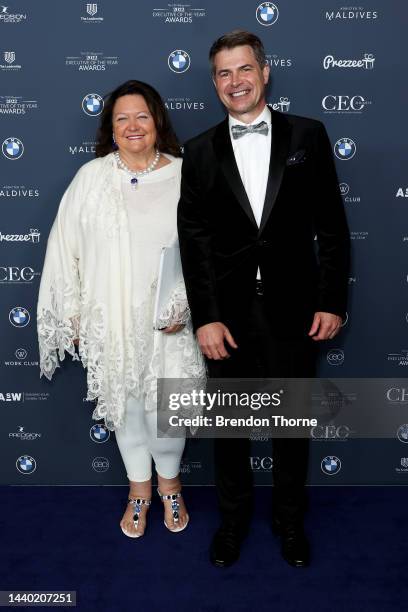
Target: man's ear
[(266, 72)]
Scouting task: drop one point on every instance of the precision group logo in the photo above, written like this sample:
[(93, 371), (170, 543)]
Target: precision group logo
[(330, 465), (26, 464), (267, 13), (335, 357), (12, 148), (345, 149), (7, 17), (92, 104), (19, 316), (179, 61), (99, 433)]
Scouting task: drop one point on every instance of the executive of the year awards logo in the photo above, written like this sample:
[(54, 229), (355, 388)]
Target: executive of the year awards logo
[(12, 148), (345, 149), (179, 61), (92, 104), (267, 13)]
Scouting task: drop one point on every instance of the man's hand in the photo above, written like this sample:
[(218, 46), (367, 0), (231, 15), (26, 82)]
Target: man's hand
[(211, 338), (172, 329), (325, 326)]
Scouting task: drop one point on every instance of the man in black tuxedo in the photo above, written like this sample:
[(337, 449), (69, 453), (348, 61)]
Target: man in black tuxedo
[(256, 190)]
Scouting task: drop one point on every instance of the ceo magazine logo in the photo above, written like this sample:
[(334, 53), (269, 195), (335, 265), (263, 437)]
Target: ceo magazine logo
[(330, 465), (341, 104), (261, 464), (179, 61), (366, 62), (347, 196), (92, 104), (12, 148), (19, 191), (8, 62), (19, 316), (335, 357), (91, 61), (345, 149), (99, 433), (6, 16), (282, 105), (178, 13), (26, 464), (91, 10), (17, 275), (331, 433), (33, 237), (16, 105), (267, 13), (397, 396), (351, 13)]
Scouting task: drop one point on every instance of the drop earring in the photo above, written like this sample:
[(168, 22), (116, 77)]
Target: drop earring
[(114, 144)]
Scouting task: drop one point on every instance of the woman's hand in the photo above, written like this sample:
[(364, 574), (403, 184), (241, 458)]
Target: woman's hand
[(172, 329)]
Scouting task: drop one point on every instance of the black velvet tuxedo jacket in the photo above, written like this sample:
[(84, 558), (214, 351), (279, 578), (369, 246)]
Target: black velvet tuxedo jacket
[(222, 246)]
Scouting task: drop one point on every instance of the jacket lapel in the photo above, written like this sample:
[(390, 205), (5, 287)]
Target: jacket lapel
[(281, 134), (225, 155)]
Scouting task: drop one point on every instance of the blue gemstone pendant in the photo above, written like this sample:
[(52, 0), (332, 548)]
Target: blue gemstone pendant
[(134, 182)]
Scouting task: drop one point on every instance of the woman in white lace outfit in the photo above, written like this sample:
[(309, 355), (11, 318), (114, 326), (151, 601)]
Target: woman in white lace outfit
[(98, 288)]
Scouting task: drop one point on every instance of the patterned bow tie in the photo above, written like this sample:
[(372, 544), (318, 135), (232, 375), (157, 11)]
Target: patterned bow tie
[(240, 130)]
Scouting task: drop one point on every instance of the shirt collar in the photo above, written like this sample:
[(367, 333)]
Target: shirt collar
[(265, 115)]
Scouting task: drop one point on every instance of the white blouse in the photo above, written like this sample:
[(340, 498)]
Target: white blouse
[(99, 282)]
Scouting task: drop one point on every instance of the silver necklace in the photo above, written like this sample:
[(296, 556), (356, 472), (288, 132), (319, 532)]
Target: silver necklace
[(136, 173)]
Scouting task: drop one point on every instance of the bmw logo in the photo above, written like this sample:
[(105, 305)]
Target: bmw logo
[(26, 464), (179, 61), (267, 13), (99, 433), (402, 433), (12, 148), (344, 189), (346, 318), (92, 104), (345, 148), (335, 357), (100, 464), (331, 465), (19, 316)]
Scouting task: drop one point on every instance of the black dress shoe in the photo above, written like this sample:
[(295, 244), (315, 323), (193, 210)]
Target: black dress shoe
[(226, 545), (295, 547)]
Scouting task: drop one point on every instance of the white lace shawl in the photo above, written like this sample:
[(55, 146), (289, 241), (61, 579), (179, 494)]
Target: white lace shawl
[(85, 294)]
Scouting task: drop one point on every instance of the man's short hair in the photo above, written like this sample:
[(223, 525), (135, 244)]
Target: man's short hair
[(237, 38)]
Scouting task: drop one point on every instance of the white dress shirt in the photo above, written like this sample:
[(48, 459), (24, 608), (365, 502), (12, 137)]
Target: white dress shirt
[(252, 153)]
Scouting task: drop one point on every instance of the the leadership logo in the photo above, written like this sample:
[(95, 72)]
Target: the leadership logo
[(267, 13), (12, 148), (92, 104), (19, 316), (9, 56), (179, 61), (92, 9), (99, 433), (330, 465), (26, 464), (402, 433), (345, 148)]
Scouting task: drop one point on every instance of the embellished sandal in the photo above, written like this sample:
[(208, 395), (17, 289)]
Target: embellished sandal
[(137, 503), (175, 507)]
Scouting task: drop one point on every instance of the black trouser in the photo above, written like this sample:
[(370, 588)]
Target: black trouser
[(261, 355)]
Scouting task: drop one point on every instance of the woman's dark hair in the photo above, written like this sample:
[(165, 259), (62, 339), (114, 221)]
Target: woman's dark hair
[(237, 38), (166, 138)]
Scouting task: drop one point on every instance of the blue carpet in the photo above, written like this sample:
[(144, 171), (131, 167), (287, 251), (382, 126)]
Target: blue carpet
[(68, 538)]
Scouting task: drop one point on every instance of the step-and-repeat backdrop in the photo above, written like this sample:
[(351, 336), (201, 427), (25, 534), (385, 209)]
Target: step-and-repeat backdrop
[(342, 63)]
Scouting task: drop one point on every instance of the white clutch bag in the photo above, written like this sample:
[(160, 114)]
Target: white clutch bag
[(170, 274)]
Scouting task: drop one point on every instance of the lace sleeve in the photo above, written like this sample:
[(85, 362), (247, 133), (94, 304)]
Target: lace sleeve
[(177, 311), (58, 309)]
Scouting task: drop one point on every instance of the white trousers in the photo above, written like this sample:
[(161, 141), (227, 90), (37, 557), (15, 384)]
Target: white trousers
[(138, 444)]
